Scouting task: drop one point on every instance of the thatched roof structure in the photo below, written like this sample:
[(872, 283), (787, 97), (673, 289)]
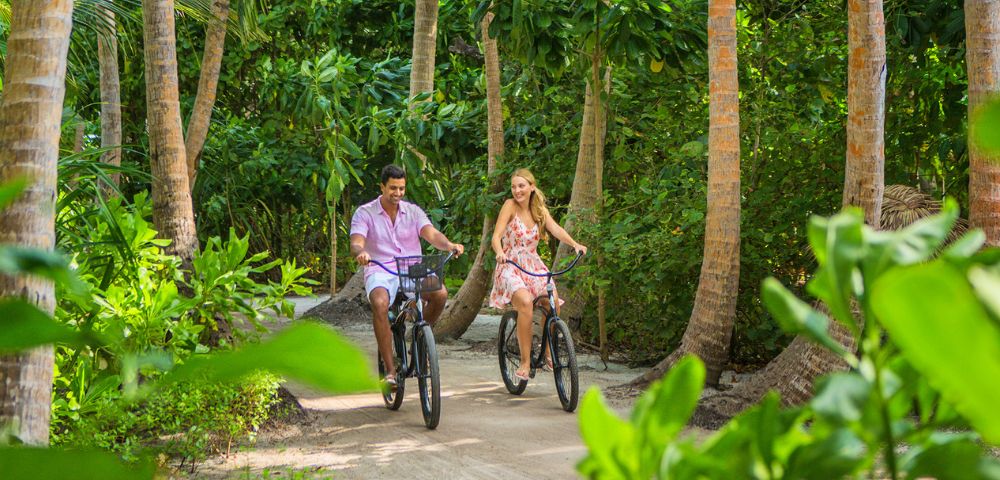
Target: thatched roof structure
[(903, 205)]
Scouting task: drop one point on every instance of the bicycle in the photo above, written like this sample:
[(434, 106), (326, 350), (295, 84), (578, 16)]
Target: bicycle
[(555, 334), (420, 273)]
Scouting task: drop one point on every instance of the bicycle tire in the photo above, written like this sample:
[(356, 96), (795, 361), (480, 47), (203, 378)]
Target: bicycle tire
[(428, 377), (564, 367), (508, 353), (394, 399)]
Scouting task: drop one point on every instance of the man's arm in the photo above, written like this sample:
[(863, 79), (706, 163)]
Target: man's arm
[(439, 241), (358, 249)]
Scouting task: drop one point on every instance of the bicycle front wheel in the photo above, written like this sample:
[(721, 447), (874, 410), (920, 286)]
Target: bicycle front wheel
[(394, 398), (564, 364), (509, 353), (428, 377)]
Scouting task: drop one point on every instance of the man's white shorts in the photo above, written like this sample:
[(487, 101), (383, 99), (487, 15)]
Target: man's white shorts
[(384, 280)]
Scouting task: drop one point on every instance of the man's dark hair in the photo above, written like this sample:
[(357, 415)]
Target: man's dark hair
[(392, 171)]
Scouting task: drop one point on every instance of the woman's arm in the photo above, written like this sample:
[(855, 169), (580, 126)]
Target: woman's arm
[(502, 218), (561, 234)]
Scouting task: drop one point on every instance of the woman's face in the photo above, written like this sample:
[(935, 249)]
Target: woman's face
[(521, 189)]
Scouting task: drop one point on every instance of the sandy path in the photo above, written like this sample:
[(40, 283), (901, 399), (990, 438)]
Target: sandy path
[(484, 432)]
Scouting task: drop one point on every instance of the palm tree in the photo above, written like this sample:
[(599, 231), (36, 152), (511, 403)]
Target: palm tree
[(30, 116), (463, 309), (793, 372), (425, 21), (982, 33), (208, 81), (173, 213), (711, 324), (111, 103)]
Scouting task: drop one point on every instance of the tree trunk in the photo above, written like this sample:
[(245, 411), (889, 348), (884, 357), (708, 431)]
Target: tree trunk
[(982, 33), (79, 131), (463, 309), (173, 213), (424, 47), (111, 103), (793, 372), (204, 102), (711, 325), (587, 185), (30, 116)]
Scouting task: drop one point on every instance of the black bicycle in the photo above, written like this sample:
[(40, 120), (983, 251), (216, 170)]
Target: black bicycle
[(555, 334), (420, 273)]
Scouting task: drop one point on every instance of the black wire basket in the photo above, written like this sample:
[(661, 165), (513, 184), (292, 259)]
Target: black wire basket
[(423, 272)]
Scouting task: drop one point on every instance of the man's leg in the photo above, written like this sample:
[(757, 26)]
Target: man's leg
[(379, 298), (435, 304)]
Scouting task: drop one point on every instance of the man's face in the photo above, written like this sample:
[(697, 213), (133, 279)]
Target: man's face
[(394, 189)]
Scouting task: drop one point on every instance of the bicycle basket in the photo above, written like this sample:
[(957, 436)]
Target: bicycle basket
[(421, 271)]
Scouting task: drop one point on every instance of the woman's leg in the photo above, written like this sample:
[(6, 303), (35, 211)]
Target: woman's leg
[(522, 302)]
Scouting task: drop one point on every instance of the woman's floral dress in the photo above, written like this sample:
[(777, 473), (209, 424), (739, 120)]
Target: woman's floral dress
[(520, 244)]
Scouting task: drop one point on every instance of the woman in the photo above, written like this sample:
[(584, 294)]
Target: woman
[(516, 238)]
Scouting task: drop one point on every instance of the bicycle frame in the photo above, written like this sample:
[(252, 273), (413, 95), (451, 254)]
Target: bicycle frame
[(551, 315), (415, 307)]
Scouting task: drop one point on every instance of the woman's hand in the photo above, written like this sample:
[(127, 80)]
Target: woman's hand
[(580, 249), (501, 258)]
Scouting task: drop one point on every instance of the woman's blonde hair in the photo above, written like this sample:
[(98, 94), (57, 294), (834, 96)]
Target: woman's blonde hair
[(536, 203)]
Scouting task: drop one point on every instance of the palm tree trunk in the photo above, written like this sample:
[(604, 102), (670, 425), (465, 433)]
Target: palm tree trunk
[(982, 33), (425, 21), (793, 372), (111, 103), (30, 116), (709, 331), (587, 182), (204, 102), (173, 213), (463, 309)]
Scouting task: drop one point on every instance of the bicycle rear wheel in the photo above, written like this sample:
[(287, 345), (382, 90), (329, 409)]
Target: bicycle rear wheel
[(509, 353), (564, 364), (394, 399), (428, 377)]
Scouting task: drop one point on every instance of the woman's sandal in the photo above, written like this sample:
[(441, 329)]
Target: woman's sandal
[(548, 365)]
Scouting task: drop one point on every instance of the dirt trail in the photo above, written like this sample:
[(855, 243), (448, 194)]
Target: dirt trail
[(484, 431)]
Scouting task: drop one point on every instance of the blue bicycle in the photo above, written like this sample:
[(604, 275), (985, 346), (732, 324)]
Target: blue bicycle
[(555, 335), (417, 274)]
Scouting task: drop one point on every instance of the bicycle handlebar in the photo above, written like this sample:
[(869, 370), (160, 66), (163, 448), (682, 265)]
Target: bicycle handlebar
[(572, 264), (451, 253)]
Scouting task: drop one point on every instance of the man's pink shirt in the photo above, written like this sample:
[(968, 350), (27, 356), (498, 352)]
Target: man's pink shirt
[(384, 240)]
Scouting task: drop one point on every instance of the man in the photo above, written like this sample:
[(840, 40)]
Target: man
[(383, 229)]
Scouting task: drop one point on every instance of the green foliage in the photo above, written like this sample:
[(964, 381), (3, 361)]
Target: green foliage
[(986, 127), (901, 411), (51, 463)]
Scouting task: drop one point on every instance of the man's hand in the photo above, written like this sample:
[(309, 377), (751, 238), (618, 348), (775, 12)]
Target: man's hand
[(363, 258), (458, 248)]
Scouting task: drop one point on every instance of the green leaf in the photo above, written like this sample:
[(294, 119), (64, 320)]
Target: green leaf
[(985, 130), (30, 463), (913, 244), (663, 411), (950, 456), (24, 326), (796, 316), (608, 438), (835, 456), (933, 315), (841, 398), (838, 245), (10, 190), (307, 351), (987, 286)]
